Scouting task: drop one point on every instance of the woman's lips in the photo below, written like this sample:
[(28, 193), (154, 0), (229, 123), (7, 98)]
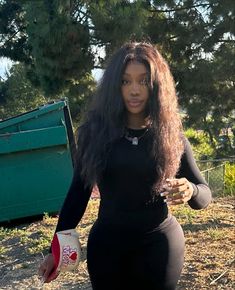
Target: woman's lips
[(134, 103)]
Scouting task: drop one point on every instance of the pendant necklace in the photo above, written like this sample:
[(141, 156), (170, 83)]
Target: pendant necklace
[(135, 140)]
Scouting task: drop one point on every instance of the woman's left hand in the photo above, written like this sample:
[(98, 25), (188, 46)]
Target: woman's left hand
[(177, 191)]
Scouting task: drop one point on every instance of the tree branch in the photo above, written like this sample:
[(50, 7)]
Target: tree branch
[(221, 275), (98, 67), (226, 40), (79, 11), (96, 42), (13, 35), (91, 27), (180, 8)]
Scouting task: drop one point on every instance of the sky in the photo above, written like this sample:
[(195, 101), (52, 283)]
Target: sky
[(5, 65)]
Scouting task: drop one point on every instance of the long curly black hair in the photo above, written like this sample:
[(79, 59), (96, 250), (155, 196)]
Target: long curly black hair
[(106, 118)]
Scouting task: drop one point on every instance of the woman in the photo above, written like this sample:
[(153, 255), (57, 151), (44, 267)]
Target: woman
[(132, 145)]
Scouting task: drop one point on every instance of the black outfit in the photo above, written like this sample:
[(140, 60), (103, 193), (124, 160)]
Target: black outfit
[(135, 243)]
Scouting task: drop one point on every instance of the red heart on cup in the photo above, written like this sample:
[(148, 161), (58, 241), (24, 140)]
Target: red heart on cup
[(73, 256)]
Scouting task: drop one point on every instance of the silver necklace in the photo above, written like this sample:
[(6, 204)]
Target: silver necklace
[(135, 140)]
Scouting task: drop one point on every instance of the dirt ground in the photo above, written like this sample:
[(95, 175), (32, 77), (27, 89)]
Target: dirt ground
[(209, 256)]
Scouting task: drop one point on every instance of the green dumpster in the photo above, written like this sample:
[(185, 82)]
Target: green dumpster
[(36, 161)]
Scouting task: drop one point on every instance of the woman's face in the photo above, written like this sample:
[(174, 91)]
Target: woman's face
[(134, 88)]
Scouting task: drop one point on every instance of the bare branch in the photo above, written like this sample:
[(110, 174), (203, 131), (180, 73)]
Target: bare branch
[(226, 40), (98, 67), (181, 8), (221, 275), (13, 35)]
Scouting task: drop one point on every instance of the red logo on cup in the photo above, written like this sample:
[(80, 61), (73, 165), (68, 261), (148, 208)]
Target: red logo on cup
[(69, 255), (73, 256)]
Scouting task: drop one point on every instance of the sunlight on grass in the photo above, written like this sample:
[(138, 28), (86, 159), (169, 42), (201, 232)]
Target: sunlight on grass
[(3, 251), (209, 235), (48, 220), (215, 233), (184, 214)]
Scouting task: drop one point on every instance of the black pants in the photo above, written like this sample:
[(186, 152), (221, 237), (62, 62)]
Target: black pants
[(119, 259)]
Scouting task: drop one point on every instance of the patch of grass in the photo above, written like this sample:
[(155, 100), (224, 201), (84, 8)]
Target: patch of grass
[(48, 220), (35, 239), (35, 246), (39, 241), (6, 233), (2, 233), (215, 233), (24, 266), (184, 214), (3, 250)]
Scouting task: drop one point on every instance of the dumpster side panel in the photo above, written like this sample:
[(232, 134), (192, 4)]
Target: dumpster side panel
[(36, 161), (32, 139), (44, 120), (37, 181)]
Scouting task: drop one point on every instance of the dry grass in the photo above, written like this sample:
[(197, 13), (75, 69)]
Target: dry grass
[(209, 246), (209, 259)]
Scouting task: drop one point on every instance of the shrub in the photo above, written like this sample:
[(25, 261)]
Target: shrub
[(200, 143), (229, 179)]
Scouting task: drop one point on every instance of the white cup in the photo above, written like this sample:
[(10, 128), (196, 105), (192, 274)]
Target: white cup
[(66, 250)]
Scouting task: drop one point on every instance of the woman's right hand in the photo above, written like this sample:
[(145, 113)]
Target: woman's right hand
[(46, 269)]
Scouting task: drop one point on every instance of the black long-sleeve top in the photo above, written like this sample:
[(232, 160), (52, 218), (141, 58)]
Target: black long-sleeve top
[(126, 188)]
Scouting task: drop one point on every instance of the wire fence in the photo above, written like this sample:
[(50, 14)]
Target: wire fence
[(214, 172)]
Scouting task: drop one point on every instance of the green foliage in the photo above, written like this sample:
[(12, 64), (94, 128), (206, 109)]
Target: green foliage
[(62, 41), (229, 179), (184, 214), (215, 233), (17, 93), (79, 95), (200, 144), (115, 22), (36, 245), (206, 79), (60, 46), (32, 241), (13, 37)]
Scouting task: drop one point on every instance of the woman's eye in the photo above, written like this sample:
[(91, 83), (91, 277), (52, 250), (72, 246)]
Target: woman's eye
[(144, 82), (125, 82)]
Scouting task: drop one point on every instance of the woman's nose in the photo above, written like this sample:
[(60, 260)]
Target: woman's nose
[(135, 88)]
